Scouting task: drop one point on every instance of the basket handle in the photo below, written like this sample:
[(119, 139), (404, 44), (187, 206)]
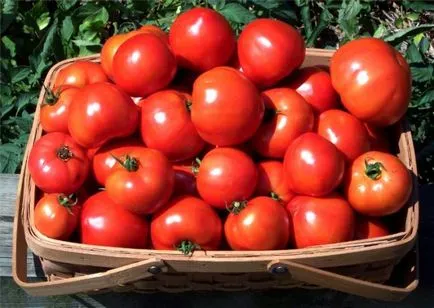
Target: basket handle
[(329, 280), (108, 279)]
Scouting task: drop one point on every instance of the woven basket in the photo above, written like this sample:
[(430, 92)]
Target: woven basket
[(357, 267)]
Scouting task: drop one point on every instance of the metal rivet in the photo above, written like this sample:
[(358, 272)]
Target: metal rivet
[(154, 269), (279, 270)]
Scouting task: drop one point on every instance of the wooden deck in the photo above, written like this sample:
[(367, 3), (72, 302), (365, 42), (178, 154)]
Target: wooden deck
[(12, 296)]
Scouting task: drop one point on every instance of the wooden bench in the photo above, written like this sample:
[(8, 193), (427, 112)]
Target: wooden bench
[(12, 296)]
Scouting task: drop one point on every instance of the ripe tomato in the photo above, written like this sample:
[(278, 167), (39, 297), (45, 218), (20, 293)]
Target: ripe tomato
[(315, 85), (227, 108), (185, 180), (54, 112), (142, 181), (104, 158), (259, 224), (313, 165), (57, 215), (106, 224), (368, 227), (166, 125), (345, 131), (287, 116), (378, 138), (226, 175), (101, 112), (377, 184), (271, 181), (186, 223), (201, 39), (269, 50), (79, 74), (371, 66), (321, 221), (57, 164), (151, 29), (143, 65)]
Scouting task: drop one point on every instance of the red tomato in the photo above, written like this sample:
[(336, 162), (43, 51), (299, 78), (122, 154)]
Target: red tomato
[(345, 131), (227, 108), (377, 184), (54, 113), (101, 112), (269, 50), (378, 139), (104, 158), (271, 181), (260, 224), (143, 65), (368, 227), (185, 179), (57, 215), (151, 29), (201, 39), (287, 116), (226, 175), (321, 221), (313, 165), (106, 224), (79, 74), (142, 181), (166, 125), (186, 223), (370, 66), (315, 85), (57, 164)]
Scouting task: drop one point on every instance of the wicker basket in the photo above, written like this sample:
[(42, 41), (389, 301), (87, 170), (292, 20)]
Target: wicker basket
[(357, 267)]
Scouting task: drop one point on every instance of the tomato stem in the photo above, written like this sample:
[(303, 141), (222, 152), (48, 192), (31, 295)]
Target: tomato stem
[(373, 169), (68, 201), (187, 247), (275, 196), (188, 104), (130, 163), (236, 207), (64, 153), (195, 166), (51, 98)]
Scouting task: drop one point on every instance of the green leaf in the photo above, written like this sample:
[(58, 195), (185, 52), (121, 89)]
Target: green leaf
[(424, 45), (413, 55), (19, 73), (43, 20), (217, 4), (10, 157), (348, 17), (66, 4), (403, 34), (10, 45), (237, 13), (427, 98), (421, 72), (419, 6), (381, 31), (9, 10), (67, 29), (96, 21), (26, 99), (267, 4), (81, 43)]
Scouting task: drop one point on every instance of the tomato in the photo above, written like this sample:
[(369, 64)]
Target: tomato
[(259, 224), (345, 131), (378, 138), (57, 164), (57, 215), (226, 175), (269, 50), (368, 227), (79, 74), (287, 116), (143, 65), (227, 108), (101, 112), (377, 184), (142, 181), (185, 179), (201, 39), (106, 224), (321, 221), (271, 181), (315, 85), (166, 125), (54, 111), (313, 165), (151, 29), (104, 158), (186, 223), (370, 66)]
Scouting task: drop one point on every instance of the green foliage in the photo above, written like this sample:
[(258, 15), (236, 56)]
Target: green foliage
[(37, 34)]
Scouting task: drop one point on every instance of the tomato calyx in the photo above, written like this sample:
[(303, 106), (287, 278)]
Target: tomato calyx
[(195, 165), (236, 207), (51, 97), (130, 163), (188, 104), (373, 169), (187, 247), (64, 153), (68, 201), (275, 196)]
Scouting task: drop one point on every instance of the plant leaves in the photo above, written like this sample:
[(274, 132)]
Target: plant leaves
[(267, 4), (10, 45), (427, 98), (381, 31), (10, 158), (347, 17), (67, 29), (8, 13), (66, 4), (19, 73), (95, 21), (419, 6), (421, 72), (403, 34), (413, 55), (237, 13)]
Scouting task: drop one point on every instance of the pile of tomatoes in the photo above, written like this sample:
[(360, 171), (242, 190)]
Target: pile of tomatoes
[(197, 139)]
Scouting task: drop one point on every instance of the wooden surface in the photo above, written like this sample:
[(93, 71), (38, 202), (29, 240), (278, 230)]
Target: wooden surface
[(12, 296)]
